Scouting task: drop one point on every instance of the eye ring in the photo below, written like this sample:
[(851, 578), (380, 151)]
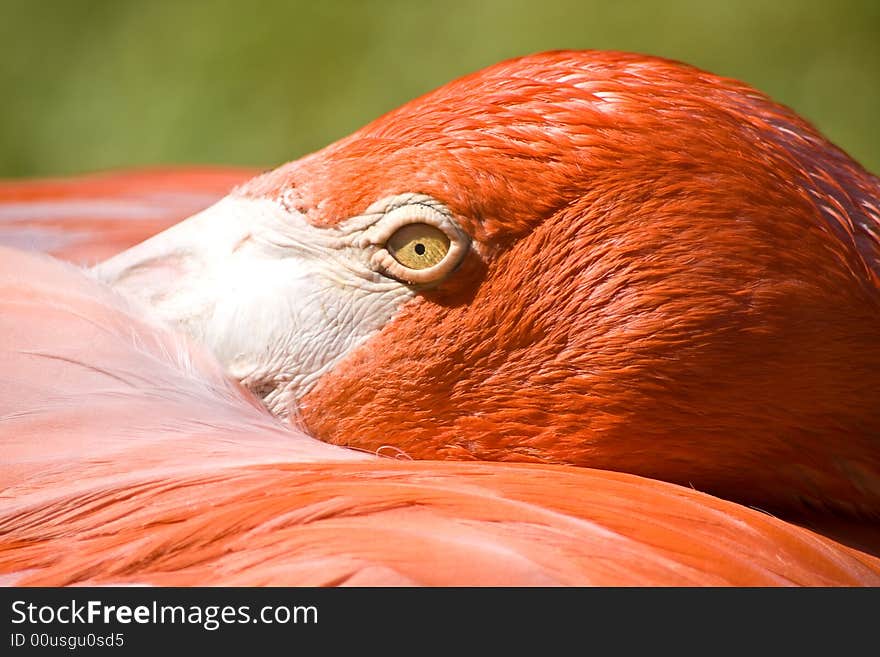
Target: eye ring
[(403, 229)]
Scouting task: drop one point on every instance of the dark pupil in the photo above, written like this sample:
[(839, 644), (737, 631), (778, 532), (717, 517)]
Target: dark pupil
[(420, 249)]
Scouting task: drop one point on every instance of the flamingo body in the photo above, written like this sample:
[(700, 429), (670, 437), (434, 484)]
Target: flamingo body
[(127, 445), (662, 337)]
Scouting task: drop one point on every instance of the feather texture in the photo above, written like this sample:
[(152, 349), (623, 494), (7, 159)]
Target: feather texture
[(674, 283), (130, 458)]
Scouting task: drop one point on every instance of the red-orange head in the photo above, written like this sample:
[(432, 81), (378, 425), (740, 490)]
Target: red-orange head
[(593, 258)]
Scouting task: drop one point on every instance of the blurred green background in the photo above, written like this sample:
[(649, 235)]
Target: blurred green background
[(98, 84)]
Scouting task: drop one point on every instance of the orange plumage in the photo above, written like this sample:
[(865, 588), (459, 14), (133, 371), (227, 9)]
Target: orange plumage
[(672, 279)]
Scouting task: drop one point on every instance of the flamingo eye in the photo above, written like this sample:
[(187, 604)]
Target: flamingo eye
[(418, 246), (417, 242)]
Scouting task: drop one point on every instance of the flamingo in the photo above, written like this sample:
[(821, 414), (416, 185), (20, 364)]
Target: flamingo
[(614, 317)]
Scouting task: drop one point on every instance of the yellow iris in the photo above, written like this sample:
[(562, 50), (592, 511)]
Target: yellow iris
[(418, 246)]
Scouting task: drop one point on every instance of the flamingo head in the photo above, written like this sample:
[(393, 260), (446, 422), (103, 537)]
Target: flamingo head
[(599, 259)]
